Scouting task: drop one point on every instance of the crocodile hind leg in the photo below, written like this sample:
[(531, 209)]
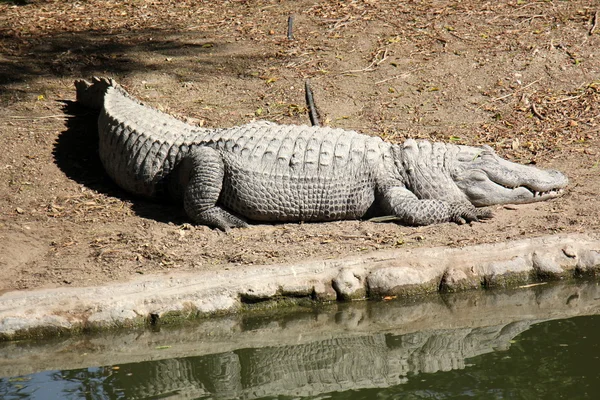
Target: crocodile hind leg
[(206, 170)]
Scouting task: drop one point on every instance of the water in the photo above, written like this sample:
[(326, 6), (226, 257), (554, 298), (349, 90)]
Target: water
[(539, 343), (552, 360)]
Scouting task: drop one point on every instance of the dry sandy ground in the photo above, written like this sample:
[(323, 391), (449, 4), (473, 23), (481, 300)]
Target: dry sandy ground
[(522, 76)]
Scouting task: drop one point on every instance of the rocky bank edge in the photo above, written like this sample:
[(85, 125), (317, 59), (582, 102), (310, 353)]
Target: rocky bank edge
[(164, 298)]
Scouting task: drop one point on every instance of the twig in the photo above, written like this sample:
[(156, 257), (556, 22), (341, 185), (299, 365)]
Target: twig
[(385, 218), (565, 99), (59, 116), (404, 75), (516, 91), (370, 67), (290, 34), (591, 131), (529, 18), (310, 102), (392, 78), (531, 285), (339, 23), (536, 112), (594, 23), (344, 21), (459, 37)]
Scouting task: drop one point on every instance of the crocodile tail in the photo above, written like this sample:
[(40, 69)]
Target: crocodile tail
[(92, 94)]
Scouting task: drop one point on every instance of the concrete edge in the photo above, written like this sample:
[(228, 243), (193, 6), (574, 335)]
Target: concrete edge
[(164, 298)]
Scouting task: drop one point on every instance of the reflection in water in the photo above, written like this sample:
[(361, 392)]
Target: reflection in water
[(332, 365), (552, 360), (477, 345)]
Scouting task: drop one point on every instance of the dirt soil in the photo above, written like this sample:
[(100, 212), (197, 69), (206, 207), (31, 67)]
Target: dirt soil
[(522, 76)]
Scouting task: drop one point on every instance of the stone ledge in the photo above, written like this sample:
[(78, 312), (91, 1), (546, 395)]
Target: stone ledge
[(404, 272), (457, 326)]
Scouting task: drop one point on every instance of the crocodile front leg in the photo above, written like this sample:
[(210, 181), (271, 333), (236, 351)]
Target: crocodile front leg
[(205, 168), (411, 210)]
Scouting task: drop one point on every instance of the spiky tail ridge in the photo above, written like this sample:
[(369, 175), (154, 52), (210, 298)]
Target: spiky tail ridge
[(91, 95)]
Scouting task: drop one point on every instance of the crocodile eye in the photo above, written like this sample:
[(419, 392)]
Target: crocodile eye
[(481, 176), (466, 157), (488, 155)]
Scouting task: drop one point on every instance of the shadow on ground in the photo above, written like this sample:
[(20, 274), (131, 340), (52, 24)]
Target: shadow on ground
[(86, 53), (76, 154)]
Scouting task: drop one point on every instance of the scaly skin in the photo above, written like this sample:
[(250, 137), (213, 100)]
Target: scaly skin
[(268, 172), (310, 368)]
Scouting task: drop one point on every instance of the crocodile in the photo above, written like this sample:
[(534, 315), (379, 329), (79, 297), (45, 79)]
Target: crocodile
[(267, 172), (340, 363)]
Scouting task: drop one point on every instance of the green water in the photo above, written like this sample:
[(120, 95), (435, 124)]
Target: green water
[(490, 347), (552, 360)]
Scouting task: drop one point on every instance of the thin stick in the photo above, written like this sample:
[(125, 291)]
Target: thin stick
[(404, 75), (565, 99), (290, 34), (535, 111), (339, 23), (310, 102), (591, 131), (459, 37), (344, 21), (374, 63), (59, 116), (594, 23), (516, 91), (531, 285), (391, 78)]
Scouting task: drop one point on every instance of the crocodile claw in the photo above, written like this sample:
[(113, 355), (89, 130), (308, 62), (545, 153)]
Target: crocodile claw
[(470, 214)]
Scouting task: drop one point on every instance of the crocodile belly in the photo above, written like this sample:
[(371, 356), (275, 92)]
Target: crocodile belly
[(280, 197)]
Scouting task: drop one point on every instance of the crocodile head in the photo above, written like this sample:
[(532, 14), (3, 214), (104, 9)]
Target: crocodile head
[(487, 179)]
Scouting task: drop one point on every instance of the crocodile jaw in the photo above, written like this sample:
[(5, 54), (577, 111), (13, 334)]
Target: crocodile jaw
[(486, 179)]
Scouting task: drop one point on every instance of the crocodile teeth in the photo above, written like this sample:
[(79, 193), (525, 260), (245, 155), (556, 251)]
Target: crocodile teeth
[(547, 193)]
